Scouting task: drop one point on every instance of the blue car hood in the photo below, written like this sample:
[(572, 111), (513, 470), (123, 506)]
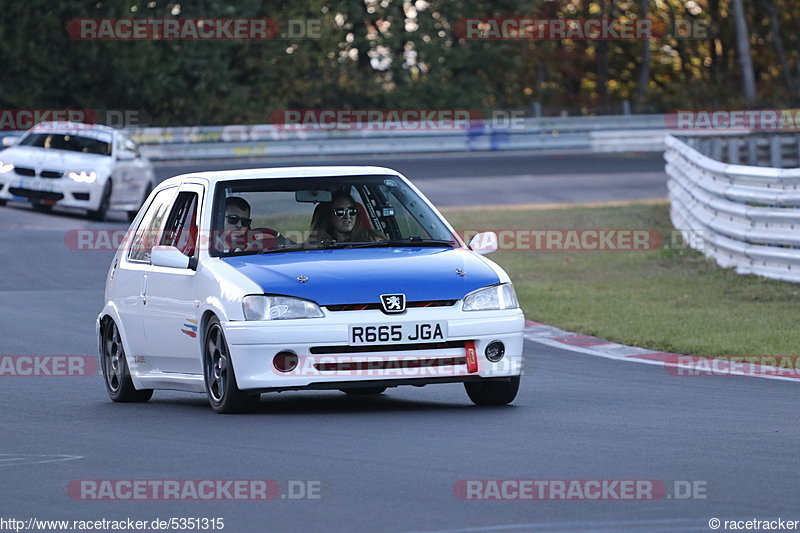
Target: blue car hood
[(357, 276)]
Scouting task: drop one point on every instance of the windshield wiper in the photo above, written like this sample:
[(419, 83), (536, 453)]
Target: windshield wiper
[(413, 242)]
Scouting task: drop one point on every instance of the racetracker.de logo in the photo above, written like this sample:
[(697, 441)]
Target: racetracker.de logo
[(601, 29), (376, 119), (250, 490), (168, 29), (564, 240), (786, 366), (24, 119), (733, 120), (47, 365), (578, 490)]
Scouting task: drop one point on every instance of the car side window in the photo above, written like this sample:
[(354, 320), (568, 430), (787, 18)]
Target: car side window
[(181, 228), (150, 228)]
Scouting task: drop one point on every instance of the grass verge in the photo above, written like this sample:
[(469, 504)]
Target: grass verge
[(667, 299)]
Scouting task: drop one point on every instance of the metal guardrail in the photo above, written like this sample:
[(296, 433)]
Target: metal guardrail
[(747, 217), (596, 134)]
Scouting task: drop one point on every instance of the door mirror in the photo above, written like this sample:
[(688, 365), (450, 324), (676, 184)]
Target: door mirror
[(169, 256), (484, 243), (9, 141), (125, 155)]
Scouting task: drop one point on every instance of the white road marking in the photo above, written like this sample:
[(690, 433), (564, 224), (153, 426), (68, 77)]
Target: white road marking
[(32, 459)]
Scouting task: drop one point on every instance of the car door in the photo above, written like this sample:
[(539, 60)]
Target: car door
[(130, 271), (126, 177), (143, 174), (171, 313)]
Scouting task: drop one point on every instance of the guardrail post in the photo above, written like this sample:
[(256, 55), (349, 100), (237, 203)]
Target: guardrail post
[(775, 152), (733, 150), (752, 151), (716, 149)]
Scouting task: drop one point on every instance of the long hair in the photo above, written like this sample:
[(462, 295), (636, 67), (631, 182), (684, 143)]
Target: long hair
[(322, 223)]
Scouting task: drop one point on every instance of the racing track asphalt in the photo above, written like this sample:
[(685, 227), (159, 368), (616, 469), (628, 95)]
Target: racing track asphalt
[(385, 464)]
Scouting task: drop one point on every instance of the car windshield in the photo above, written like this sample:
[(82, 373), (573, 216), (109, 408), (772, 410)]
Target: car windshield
[(295, 214), (98, 144)]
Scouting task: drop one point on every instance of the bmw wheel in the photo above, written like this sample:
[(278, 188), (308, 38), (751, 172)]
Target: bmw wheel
[(223, 393), (132, 214), (105, 202), (498, 391), (115, 368)]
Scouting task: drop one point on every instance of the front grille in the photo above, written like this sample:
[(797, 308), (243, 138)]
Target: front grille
[(52, 174), (35, 195), (24, 171), (350, 366), (377, 305), (321, 350)]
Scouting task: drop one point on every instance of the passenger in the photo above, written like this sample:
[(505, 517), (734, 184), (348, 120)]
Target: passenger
[(340, 220)]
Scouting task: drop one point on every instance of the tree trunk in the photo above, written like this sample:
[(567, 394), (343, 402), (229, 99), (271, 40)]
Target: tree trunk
[(775, 29), (743, 49), (644, 72)]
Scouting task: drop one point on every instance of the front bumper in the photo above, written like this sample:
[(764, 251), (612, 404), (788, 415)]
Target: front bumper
[(324, 360), (63, 191)]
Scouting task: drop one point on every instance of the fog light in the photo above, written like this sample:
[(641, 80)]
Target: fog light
[(495, 351), (285, 361)]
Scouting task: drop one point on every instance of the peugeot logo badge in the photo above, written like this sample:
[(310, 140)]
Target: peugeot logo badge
[(393, 303)]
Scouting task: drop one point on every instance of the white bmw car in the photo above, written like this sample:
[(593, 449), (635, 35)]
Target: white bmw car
[(239, 283), (68, 164)]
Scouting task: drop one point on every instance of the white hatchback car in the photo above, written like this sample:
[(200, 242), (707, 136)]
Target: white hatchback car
[(242, 282), (68, 164)]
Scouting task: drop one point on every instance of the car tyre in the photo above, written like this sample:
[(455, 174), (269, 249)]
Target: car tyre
[(3, 203), (132, 214), (223, 392), (115, 368), (493, 392), (105, 202), (369, 391)]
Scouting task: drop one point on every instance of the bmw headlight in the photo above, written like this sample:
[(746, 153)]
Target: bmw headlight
[(259, 307), (491, 298), (83, 176), (6, 167)]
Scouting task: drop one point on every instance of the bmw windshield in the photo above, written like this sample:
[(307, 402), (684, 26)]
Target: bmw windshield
[(294, 214), (99, 144)]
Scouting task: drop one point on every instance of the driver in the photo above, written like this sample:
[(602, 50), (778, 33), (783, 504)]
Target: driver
[(237, 224)]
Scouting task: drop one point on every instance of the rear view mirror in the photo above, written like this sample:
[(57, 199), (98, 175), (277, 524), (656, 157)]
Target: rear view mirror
[(313, 196)]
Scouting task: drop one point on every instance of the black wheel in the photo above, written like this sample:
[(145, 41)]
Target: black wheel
[(115, 369), (493, 391), (369, 391), (223, 393), (3, 203), (132, 214), (105, 202)]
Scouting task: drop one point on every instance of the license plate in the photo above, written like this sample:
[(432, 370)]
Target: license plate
[(39, 185), (406, 333)]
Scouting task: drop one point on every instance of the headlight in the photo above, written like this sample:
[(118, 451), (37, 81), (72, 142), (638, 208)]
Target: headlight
[(6, 167), (257, 307), (83, 177), (495, 297)]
